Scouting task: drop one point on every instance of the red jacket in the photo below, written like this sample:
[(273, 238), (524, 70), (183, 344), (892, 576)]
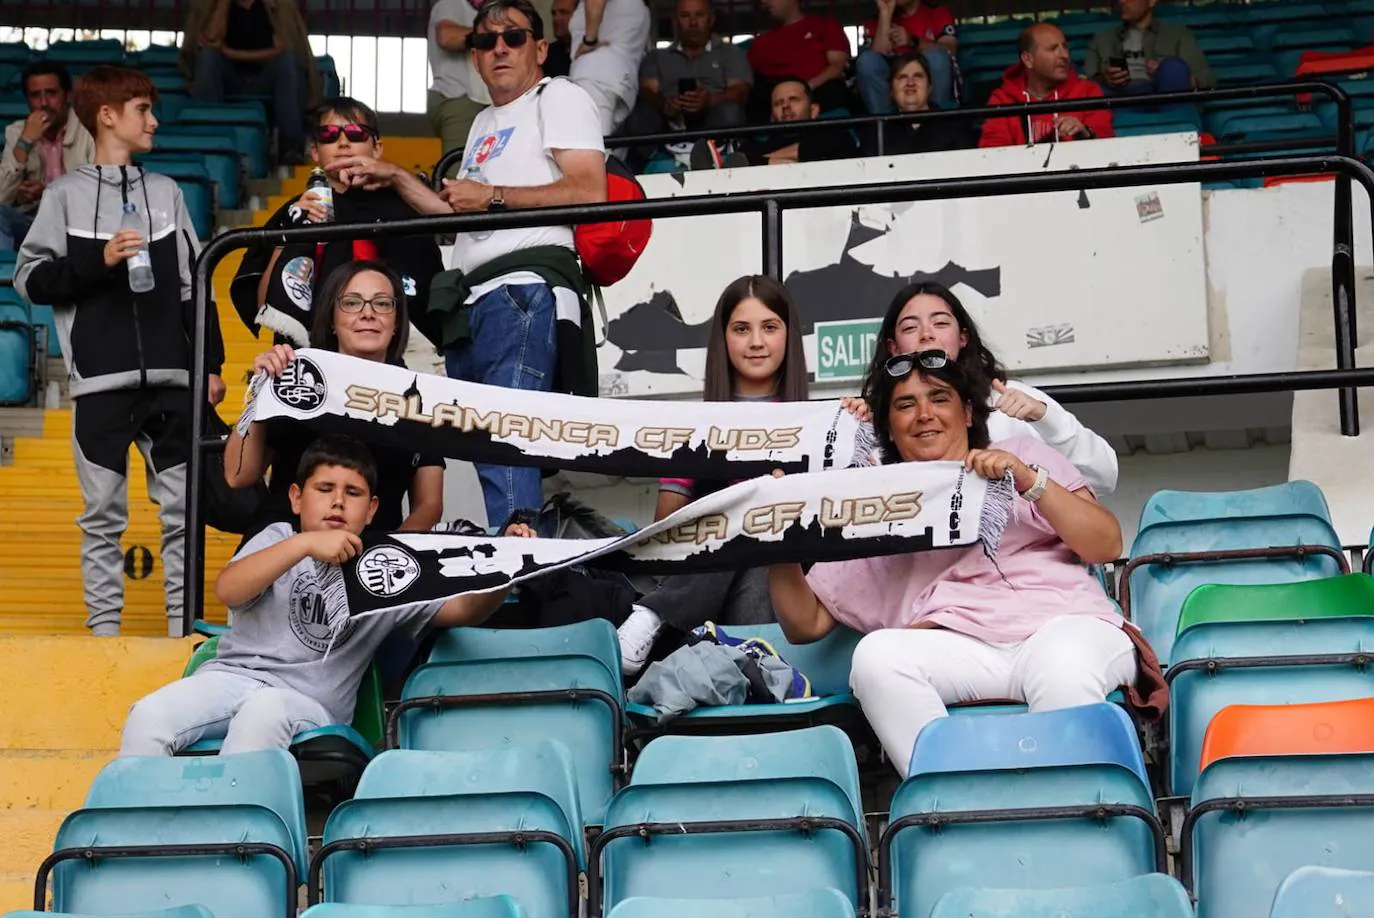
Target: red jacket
[(1011, 131)]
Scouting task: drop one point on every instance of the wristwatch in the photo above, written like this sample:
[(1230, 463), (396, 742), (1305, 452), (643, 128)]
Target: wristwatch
[(1037, 490), (498, 200)]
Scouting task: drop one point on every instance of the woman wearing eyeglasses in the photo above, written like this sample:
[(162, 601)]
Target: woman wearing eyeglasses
[(367, 317), (276, 285), (952, 626), (929, 316)]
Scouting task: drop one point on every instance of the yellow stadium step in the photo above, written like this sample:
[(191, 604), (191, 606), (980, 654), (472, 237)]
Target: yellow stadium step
[(67, 698)]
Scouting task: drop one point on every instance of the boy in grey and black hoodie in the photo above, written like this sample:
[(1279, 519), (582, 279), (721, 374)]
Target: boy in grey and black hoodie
[(128, 355)]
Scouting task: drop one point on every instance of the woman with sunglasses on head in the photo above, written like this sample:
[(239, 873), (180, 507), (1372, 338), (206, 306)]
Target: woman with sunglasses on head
[(929, 316), (275, 285), (753, 354), (952, 626), (367, 317)]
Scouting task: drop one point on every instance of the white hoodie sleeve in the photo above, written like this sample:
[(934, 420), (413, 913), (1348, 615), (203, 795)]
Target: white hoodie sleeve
[(1092, 455)]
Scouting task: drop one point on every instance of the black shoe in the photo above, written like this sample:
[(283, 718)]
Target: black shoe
[(705, 155), (736, 160)]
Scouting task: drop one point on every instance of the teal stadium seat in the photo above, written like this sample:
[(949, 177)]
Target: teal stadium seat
[(1293, 125), (13, 109), (820, 903), (15, 52), (962, 815), (244, 812), (1238, 846), (495, 822), (478, 907), (825, 663), (181, 911), (1324, 892), (220, 157), (1225, 42), (89, 51), (193, 178), (159, 56), (247, 121), (1154, 895), (1266, 535), (1230, 637), (16, 349), (1256, 71), (720, 818)]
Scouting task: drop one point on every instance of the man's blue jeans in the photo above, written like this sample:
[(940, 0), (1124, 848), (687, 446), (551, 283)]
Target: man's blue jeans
[(1172, 75), (874, 73), (511, 344), (14, 226)]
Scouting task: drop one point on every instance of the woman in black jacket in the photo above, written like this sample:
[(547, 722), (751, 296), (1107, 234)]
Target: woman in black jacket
[(910, 88)]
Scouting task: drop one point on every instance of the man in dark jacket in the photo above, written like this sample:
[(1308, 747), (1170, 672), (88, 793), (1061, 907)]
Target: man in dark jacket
[(794, 102), (274, 287)]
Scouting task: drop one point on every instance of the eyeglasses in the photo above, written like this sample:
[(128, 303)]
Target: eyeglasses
[(356, 133), (381, 303), (903, 364), (514, 38)]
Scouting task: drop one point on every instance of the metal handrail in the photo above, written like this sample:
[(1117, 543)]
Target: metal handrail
[(770, 206)]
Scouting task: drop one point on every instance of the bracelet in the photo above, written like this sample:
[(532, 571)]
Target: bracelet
[(25, 145), (590, 41)]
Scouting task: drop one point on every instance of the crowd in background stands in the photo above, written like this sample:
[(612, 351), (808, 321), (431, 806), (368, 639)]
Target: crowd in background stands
[(801, 69)]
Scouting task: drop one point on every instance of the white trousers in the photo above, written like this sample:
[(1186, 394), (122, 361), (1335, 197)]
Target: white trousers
[(904, 677), (610, 103), (246, 713)]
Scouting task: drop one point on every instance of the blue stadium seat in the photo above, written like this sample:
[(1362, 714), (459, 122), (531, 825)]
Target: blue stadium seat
[(220, 157), (455, 709), (500, 822), (478, 907), (1130, 117), (1154, 895), (16, 349), (89, 51), (770, 817), (197, 188), (42, 317), (595, 638), (1324, 892), (13, 109), (181, 911), (1290, 519), (247, 121), (957, 820), (15, 52), (159, 55), (1157, 127), (1223, 662), (825, 663), (1337, 38), (1199, 17), (819, 903), (1238, 846), (1272, 127), (330, 87), (1225, 42), (1256, 71), (246, 811)]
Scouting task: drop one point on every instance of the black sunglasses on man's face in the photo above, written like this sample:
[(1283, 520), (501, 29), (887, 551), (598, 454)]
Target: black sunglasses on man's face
[(514, 38)]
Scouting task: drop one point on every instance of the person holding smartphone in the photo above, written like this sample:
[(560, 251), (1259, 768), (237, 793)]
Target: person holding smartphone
[(697, 82), (1146, 55)]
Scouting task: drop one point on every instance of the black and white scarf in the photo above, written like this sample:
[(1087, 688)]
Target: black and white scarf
[(832, 504)]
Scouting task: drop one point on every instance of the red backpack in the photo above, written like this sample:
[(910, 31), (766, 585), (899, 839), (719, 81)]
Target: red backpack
[(609, 250)]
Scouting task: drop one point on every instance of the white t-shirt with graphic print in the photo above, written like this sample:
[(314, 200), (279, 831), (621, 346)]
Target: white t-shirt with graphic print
[(512, 145)]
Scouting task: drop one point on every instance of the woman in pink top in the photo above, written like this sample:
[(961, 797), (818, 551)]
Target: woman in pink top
[(952, 626)]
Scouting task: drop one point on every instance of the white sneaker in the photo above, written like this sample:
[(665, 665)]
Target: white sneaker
[(637, 638)]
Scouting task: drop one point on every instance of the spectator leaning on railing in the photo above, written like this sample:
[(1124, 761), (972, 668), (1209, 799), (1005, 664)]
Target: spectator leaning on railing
[(911, 93), (39, 149), (1044, 74), (1144, 55)]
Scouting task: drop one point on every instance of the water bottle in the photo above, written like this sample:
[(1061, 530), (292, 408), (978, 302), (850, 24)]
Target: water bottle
[(318, 186), (140, 263)]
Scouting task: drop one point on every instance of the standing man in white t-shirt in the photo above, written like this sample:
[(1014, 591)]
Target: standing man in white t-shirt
[(457, 93), (609, 39), (511, 309)]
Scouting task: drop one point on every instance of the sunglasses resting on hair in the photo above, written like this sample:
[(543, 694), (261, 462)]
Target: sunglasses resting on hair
[(356, 133), (903, 364)]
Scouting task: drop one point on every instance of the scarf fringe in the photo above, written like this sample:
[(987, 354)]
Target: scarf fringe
[(999, 505)]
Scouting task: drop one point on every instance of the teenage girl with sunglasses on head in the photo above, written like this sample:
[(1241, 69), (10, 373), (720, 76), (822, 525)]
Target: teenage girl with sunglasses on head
[(754, 354), (929, 317)]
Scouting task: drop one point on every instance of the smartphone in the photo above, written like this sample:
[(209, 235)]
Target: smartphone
[(1118, 62), (686, 85)]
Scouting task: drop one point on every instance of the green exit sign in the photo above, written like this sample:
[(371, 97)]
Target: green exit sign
[(844, 349)]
